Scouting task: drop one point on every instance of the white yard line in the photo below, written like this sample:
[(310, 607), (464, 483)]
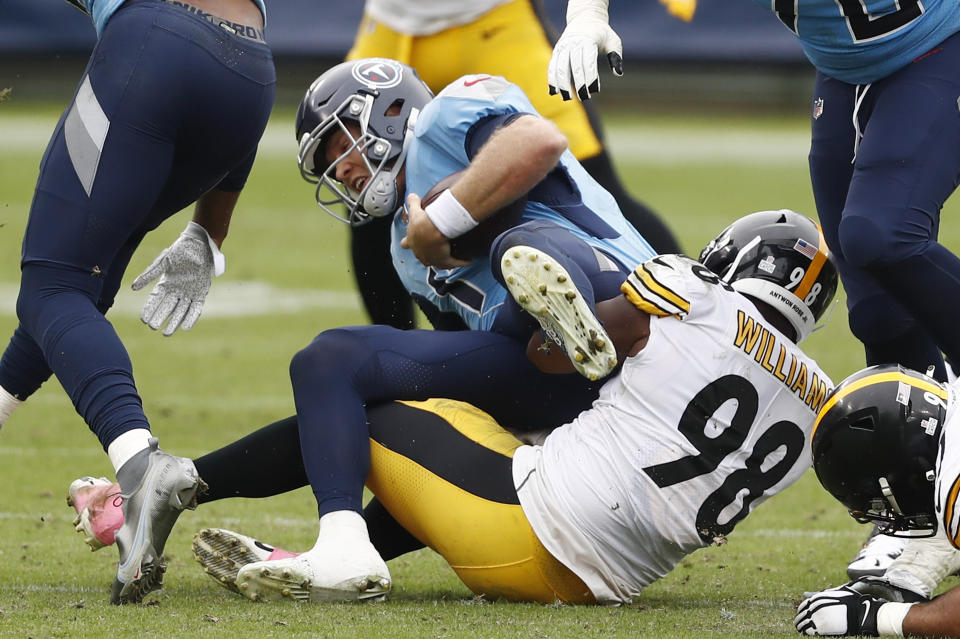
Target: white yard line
[(657, 144), (226, 299)]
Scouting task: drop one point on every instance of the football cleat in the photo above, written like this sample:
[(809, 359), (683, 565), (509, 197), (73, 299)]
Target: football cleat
[(875, 556), (99, 513), (165, 486), (345, 567), (543, 288), (222, 553)]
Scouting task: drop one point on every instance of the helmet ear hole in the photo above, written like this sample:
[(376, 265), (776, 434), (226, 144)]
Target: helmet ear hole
[(864, 422), (395, 108)]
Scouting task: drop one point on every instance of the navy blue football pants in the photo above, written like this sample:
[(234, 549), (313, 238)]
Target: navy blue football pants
[(879, 200), (169, 107), (345, 369)]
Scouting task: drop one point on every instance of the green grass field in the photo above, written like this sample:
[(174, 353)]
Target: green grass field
[(288, 279)]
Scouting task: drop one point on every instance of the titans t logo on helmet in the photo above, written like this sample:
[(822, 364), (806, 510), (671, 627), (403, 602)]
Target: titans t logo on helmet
[(378, 73)]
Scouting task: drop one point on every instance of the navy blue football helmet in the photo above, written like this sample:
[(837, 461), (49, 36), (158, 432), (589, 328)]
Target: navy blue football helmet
[(381, 98), (780, 258)]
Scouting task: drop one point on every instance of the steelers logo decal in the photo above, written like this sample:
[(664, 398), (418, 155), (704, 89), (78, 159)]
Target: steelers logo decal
[(378, 73)]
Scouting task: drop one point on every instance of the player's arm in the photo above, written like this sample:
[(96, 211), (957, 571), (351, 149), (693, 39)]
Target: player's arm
[(513, 160), (187, 267), (627, 326), (937, 618), (844, 611), (573, 66)]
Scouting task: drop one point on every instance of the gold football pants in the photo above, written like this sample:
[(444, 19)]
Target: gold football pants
[(507, 41), (443, 470)]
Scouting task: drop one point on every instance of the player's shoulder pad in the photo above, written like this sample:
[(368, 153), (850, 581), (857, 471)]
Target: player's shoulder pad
[(664, 285), (478, 86)]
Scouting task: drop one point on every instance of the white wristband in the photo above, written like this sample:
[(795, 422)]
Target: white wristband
[(219, 259), (890, 618), (449, 216)]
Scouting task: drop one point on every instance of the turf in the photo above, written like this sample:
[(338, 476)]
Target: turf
[(287, 279)]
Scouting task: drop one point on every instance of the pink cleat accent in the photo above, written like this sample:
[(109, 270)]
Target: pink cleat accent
[(98, 505)]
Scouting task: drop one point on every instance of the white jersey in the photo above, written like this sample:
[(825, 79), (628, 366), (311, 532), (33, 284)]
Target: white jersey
[(426, 17), (712, 417), (948, 472)]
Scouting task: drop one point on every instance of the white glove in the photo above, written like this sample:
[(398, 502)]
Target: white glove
[(185, 269), (839, 611), (573, 67)]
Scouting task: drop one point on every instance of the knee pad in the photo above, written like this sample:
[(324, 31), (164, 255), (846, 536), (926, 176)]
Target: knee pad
[(332, 356), (867, 244)]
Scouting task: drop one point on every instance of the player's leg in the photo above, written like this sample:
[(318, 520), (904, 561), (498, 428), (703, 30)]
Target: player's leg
[(887, 330), (100, 186), (436, 466), (907, 166), (557, 278)]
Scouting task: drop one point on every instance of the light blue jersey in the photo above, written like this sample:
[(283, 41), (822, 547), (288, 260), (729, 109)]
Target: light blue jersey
[(101, 10), (439, 149), (861, 41)]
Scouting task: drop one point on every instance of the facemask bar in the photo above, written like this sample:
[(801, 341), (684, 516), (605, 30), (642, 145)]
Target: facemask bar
[(885, 512), (359, 108)]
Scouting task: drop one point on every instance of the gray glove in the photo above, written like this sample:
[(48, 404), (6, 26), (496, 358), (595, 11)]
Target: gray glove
[(185, 269)]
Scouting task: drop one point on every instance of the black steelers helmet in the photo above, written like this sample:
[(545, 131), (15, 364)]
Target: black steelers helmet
[(777, 257), (875, 446), (382, 98)]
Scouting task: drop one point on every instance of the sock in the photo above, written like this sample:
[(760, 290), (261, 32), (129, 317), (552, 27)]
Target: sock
[(8, 404), (341, 523), (125, 446)]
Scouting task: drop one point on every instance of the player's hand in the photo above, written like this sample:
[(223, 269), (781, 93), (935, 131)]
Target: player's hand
[(428, 244), (185, 269), (840, 611), (882, 589), (573, 67)]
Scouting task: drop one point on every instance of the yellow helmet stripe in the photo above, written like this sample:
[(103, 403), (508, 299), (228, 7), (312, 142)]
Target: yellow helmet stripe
[(870, 380), (813, 271)]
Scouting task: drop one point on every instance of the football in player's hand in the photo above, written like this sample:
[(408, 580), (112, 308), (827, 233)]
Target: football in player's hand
[(476, 242)]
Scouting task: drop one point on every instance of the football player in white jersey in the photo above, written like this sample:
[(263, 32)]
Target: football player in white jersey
[(615, 498), (879, 186), (885, 444)]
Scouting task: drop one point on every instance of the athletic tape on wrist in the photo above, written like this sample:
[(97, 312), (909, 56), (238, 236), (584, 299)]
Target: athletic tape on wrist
[(890, 618), (449, 216)]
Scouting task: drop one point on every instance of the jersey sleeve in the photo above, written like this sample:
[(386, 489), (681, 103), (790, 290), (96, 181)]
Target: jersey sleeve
[(948, 482), (660, 286)]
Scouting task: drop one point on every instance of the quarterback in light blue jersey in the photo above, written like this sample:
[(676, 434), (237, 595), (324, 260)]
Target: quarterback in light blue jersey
[(444, 137), (884, 157)]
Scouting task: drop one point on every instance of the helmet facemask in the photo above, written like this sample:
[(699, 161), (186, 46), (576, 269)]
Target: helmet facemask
[(379, 196)]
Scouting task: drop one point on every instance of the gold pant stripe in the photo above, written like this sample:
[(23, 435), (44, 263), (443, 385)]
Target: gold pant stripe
[(507, 41)]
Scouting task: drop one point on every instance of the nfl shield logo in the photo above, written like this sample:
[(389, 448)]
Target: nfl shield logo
[(817, 108)]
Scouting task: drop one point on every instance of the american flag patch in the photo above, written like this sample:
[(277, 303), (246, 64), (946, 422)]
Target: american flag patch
[(805, 248)]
